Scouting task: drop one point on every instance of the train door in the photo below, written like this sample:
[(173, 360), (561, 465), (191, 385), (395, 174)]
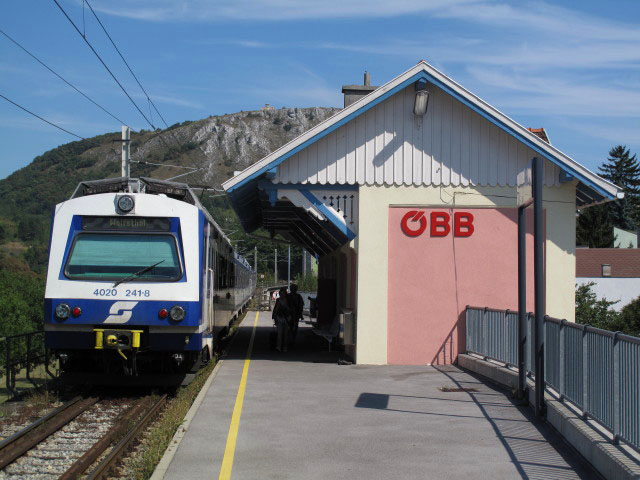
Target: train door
[(206, 297), (223, 301), (212, 284)]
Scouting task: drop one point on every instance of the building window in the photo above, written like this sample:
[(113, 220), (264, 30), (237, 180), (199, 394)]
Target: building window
[(606, 270)]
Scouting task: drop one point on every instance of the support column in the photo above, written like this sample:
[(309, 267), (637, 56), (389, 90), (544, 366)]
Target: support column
[(522, 299), (539, 286)]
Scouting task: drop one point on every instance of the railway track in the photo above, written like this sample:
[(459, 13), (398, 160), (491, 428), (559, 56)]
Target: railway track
[(84, 437)]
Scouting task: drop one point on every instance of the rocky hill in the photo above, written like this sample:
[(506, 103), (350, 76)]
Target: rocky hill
[(217, 146)]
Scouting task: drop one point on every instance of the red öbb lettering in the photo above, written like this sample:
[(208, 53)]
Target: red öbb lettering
[(440, 224), (463, 224), (414, 224), (414, 216)]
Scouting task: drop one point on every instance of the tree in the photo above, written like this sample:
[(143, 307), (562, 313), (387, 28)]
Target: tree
[(29, 228), (623, 169), (629, 319), (594, 228), (593, 311)]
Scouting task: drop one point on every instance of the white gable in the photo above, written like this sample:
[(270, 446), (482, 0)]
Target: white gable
[(389, 145)]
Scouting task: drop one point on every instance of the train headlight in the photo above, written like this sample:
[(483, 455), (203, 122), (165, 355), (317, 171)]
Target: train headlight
[(177, 313), (63, 311), (125, 203)]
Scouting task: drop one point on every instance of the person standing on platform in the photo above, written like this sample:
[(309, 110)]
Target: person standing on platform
[(297, 306), (282, 317)]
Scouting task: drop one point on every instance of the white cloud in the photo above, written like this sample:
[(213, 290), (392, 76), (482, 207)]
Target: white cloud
[(268, 10), (181, 102), (559, 95), (236, 43), (616, 134), (542, 17)]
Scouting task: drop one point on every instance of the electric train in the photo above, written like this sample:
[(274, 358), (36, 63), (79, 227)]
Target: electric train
[(141, 282)]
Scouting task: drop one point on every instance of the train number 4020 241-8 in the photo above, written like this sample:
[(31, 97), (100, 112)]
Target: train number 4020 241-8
[(112, 292)]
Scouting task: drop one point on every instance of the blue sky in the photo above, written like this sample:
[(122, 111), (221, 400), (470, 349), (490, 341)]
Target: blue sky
[(572, 67)]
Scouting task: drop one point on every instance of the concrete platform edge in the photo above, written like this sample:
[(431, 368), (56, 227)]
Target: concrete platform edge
[(605, 457), (163, 464)]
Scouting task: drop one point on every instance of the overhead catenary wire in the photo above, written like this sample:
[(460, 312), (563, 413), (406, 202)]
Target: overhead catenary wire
[(142, 162), (49, 122), (104, 64), (119, 120), (125, 62), (62, 78), (150, 102), (80, 136), (83, 35)]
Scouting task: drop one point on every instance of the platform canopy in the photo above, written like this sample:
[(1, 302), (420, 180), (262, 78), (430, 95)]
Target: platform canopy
[(307, 190)]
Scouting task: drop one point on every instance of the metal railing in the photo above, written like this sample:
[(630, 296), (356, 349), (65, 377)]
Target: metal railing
[(595, 369)]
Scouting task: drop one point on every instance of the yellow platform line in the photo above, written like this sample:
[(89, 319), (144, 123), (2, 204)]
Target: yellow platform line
[(230, 449)]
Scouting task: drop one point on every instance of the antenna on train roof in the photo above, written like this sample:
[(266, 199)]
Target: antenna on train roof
[(126, 152)]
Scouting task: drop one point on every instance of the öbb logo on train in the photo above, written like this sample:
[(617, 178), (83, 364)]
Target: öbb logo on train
[(414, 224)]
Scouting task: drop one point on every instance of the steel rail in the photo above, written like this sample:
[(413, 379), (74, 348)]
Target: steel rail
[(37, 423), (110, 460), (23, 441), (98, 448)]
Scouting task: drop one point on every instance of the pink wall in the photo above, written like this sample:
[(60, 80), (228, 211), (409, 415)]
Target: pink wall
[(432, 279)]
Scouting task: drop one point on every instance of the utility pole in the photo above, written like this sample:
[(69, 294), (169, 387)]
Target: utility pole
[(275, 266), (126, 151), (304, 262), (289, 268), (255, 258)]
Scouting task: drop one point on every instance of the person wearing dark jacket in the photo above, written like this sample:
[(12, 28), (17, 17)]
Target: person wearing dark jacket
[(282, 317), (297, 306)]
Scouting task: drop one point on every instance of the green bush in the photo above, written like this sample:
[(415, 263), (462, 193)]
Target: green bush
[(629, 318), (594, 312), (306, 283)]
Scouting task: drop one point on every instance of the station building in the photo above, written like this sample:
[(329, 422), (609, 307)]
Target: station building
[(408, 197)]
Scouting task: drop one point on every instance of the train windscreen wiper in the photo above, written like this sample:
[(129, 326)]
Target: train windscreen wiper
[(136, 274)]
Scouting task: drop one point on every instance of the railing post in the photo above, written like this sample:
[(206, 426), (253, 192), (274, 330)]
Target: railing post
[(505, 347), (485, 334), (466, 330), (561, 359), (616, 387), (532, 345), (585, 372)]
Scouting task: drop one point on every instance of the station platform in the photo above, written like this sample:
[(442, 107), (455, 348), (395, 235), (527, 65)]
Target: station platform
[(301, 415)]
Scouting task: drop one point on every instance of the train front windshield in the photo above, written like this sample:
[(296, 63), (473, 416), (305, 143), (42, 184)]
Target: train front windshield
[(108, 256)]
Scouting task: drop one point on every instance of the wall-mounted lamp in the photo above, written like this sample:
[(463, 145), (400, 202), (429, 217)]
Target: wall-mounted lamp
[(422, 98)]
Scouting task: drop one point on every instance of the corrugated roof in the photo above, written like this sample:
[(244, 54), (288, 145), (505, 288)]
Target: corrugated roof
[(625, 262)]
